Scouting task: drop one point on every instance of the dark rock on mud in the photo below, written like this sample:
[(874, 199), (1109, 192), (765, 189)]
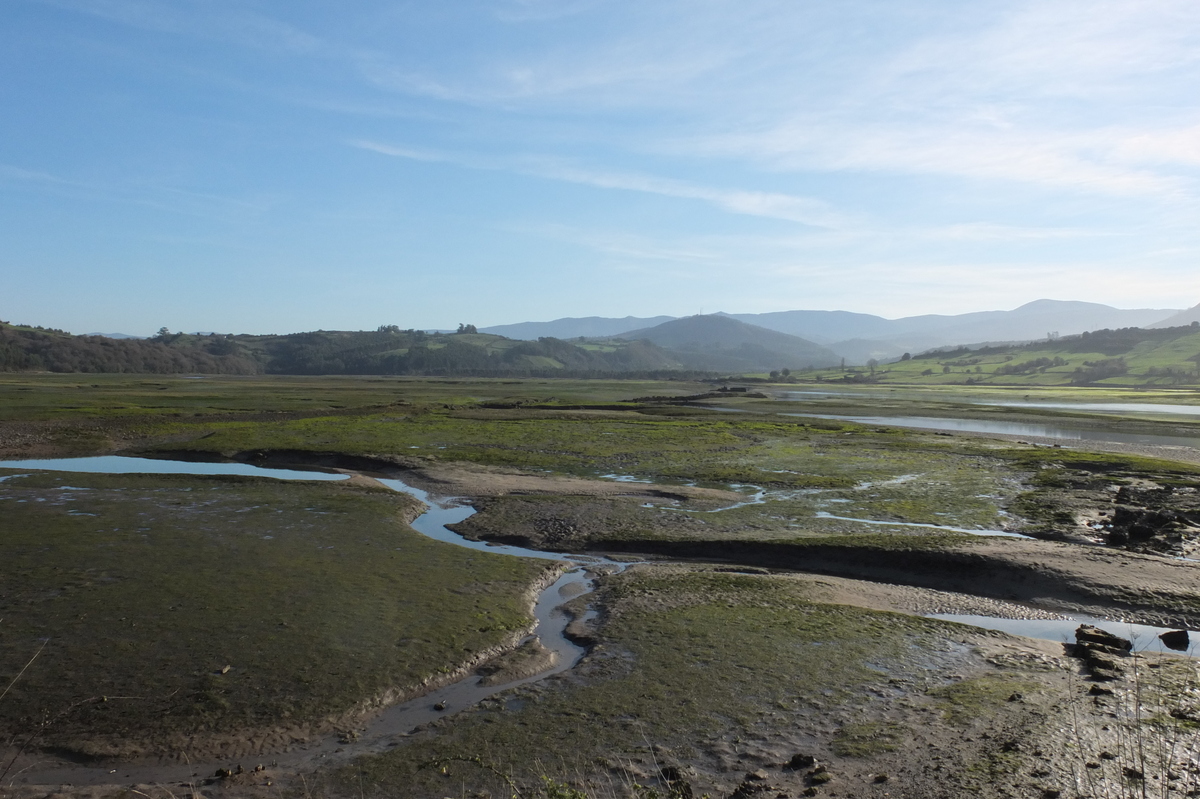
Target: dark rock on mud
[(1099, 651), (1176, 639)]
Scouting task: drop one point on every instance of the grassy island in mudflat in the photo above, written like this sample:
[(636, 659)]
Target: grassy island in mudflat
[(792, 561)]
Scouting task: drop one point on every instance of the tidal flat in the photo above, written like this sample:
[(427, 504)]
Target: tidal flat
[(724, 655)]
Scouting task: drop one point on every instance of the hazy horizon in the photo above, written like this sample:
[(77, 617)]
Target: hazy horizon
[(452, 327)]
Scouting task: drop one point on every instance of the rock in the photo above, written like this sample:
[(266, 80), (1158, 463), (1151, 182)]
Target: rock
[(670, 773), (801, 761), (756, 776), (1176, 639), (748, 788), (440, 706), (880, 778), (1087, 634), (1100, 690)]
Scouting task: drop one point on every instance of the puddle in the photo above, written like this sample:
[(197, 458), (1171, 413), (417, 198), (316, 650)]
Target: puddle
[(119, 464)]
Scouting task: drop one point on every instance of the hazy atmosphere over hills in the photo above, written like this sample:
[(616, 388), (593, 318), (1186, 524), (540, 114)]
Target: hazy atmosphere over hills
[(860, 337)]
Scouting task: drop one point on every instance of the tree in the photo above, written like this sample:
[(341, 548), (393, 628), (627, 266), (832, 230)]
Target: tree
[(466, 328), (162, 334), (785, 372), (906, 356), (871, 364)]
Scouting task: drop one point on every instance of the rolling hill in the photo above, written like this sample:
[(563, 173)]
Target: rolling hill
[(721, 343), (572, 327), (1124, 357)]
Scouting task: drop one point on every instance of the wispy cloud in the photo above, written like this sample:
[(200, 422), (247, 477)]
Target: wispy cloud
[(772, 205), (156, 195), (202, 20), (1073, 95)]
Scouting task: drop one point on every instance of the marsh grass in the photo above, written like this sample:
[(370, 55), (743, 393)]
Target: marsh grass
[(317, 596)]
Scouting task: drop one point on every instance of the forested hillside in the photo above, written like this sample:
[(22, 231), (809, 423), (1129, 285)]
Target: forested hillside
[(387, 350), (30, 349)]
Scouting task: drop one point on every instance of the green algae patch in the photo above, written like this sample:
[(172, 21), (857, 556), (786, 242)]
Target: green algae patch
[(174, 606), (868, 738), (965, 701)]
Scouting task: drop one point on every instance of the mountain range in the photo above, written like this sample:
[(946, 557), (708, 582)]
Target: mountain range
[(860, 337)]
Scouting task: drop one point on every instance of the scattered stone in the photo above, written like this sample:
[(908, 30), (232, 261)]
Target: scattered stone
[(756, 776), (224, 669), (1016, 697), (440, 706), (1051, 793), (1100, 690), (1132, 773), (1106, 755), (880, 778)]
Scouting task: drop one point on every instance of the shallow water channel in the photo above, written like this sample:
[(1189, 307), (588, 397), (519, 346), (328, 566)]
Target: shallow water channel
[(1030, 429), (392, 725)]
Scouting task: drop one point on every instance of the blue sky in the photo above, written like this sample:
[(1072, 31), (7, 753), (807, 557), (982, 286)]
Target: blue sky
[(281, 166)]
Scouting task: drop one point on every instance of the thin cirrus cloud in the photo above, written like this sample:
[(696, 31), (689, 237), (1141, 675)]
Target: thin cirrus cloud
[(772, 205), (1086, 97)]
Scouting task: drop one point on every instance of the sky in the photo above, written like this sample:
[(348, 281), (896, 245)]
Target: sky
[(269, 167)]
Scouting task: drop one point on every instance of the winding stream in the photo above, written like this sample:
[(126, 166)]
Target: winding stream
[(392, 725)]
